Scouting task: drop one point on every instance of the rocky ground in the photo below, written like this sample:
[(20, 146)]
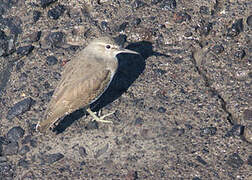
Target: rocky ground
[(183, 109)]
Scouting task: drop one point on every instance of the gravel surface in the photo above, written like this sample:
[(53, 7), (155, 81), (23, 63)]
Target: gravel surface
[(183, 109)]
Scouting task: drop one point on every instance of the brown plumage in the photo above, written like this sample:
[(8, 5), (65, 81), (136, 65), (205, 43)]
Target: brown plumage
[(84, 79)]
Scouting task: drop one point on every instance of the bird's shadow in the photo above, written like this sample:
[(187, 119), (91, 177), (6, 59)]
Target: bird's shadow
[(130, 67)]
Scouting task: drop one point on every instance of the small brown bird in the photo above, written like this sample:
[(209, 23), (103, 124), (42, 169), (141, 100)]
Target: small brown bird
[(84, 79)]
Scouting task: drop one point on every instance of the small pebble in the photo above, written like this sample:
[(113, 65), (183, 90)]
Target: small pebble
[(249, 21), (122, 27), (247, 115), (250, 160), (236, 28), (19, 108), (104, 25), (181, 17), (51, 60), (19, 65), (4, 140), (26, 139), (10, 149), (15, 133), (188, 34), (248, 133), (6, 170), (236, 130), (25, 50), (168, 5), (217, 49), (24, 163), (33, 143), (156, 1), (161, 110), (139, 121), (25, 149), (240, 54), (56, 38), (160, 72), (136, 21), (83, 152), (92, 125), (1, 150), (101, 151), (235, 161), (208, 131), (36, 15), (178, 60), (34, 37), (51, 158), (196, 178), (205, 28), (202, 161), (137, 4), (56, 12), (45, 3), (121, 39), (204, 10)]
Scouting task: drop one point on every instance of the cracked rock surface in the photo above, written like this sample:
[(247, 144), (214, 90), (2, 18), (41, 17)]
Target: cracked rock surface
[(183, 109)]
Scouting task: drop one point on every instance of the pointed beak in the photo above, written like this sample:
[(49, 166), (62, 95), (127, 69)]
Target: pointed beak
[(122, 50)]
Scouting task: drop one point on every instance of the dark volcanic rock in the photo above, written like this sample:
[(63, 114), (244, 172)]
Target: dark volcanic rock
[(51, 158), (25, 50), (56, 12), (19, 108), (15, 133), (45, 3), (235, 161)]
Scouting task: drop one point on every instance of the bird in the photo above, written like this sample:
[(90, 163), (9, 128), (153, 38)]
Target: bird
[(84, 79)]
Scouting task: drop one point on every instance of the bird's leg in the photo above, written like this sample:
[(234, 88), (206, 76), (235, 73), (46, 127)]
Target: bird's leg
[(99, 119)]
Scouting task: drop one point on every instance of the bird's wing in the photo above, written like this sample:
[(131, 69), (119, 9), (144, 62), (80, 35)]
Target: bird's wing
[(77, 89)]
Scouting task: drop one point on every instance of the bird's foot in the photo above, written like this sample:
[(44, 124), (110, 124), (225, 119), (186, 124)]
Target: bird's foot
[(100, 119)]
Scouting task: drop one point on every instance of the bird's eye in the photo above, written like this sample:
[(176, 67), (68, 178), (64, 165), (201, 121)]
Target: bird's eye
[(108, 46)]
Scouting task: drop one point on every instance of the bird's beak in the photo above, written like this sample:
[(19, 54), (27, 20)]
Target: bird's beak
[(122, 50)]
